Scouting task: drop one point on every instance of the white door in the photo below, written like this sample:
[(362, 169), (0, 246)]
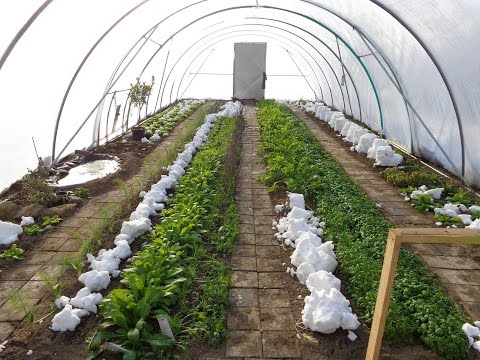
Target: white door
[(249, 74)]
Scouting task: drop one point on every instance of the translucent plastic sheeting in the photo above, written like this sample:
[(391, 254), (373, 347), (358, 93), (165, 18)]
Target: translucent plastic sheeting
[(409, 58)]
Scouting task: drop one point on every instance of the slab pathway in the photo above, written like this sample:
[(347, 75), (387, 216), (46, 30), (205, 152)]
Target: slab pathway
[(261, 319), (26, 278), (457, 266)]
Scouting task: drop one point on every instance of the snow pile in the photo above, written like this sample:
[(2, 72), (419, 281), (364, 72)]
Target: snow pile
[(372, 152), (65, 319), (365, 142), (95, 280), (475, 225), (351, 132), (326, 309), (27, 221), (308, 106), (106, 264), (9, 232), (473, 334), (334, 116), (385, 156), (459, 211), (339, 124), (231, 109), (358, 134), (155, 137)]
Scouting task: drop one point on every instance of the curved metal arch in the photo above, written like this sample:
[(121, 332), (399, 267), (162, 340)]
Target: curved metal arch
[(365, 35), (256, 33), (372, 83), (276, 27), (281, 29), (178, 60), (99, 40), (440, 71), (22, 31), (79, 68), (334, 54), (109, 87)]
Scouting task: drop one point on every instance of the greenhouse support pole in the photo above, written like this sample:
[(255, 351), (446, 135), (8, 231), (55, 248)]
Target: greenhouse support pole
[(407, 101), (440, 71), (343, 72), (334, 54), (161, 81), (79, 68), (22, 31), (54, 160), (291, 57), (194, 76), (260, 34)]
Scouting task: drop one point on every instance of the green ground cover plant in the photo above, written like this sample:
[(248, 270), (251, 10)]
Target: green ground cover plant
[(179, 275), (420, 309)]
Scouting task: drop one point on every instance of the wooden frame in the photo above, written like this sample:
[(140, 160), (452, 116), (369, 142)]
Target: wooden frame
[(395, 238)]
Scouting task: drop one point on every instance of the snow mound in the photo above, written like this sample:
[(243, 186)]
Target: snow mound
[(155, 137), (323, 280), (365, 142), (385, 156), (358, 134), (339, 124), (296, 200), (9, 232), (435, 193), (325, 312), (27, 221), (135, 228), (372, 152), (474, 209), (346, 128), (86, 300), (95, 280), (475, 225), (65, 320)]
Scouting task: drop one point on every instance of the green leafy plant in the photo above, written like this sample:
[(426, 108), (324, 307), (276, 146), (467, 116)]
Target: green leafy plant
[(81, 192), (449, 220), (51, 220), (33, 230), (461, 197), (12, 253), (424, 203), (162, 275), (420, 309), (48, 222)]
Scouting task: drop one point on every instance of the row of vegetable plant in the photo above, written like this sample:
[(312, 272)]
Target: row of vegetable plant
[(419, 308), (427, 190), (164, 122), (180, 275)]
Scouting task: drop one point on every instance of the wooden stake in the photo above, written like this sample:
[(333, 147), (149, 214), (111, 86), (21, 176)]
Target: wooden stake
[(383, 297)]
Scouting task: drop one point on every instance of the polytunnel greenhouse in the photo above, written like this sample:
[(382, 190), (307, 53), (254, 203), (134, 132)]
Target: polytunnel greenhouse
[(288, 179)]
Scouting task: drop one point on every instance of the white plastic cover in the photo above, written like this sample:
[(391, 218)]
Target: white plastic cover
[(86, 54)]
